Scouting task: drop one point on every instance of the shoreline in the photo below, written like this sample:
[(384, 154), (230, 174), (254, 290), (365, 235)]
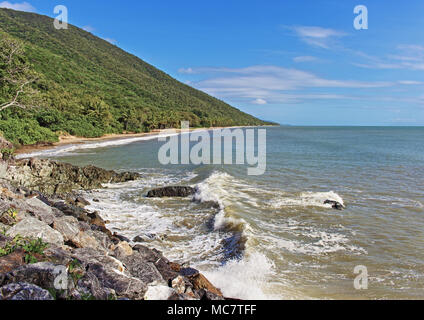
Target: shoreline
[(105, 265), (69, 140)]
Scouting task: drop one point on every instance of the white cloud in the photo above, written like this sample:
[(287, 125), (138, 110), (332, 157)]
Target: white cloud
[(112, 41), (408, 57), (186, 71), (304, 59), (411, 82), (88, 29), (274, 84), (317, 36), (23, 6), (259, 101)]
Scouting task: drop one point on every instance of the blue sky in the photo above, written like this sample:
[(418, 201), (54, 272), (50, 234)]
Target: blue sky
[(295, 62)]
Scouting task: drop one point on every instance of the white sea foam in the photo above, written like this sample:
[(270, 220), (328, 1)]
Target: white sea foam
[(219, 188), (66, 149), (306, 199), (244, 279)]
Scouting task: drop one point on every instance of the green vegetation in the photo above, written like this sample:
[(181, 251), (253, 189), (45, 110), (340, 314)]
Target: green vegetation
[(75, 270), (7, 153), (31, 247), (70, 81)]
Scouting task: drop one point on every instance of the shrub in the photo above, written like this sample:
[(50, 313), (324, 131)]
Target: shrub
[(26, 132)]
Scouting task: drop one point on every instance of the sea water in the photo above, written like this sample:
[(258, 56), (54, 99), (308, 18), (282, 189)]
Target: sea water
[(272, 236)]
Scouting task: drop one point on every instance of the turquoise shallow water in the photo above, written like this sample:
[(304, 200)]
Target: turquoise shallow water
[(272, 236)]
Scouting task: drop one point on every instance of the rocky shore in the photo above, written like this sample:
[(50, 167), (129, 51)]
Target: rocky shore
[(52, 248)]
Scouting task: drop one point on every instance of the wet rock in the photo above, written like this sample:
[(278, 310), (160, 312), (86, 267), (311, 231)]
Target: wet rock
[(121, 237), (335, 205), (24, 291), (171, 192), (175, 266), (144, 238), (34, 228), (81, 202), (189, 272), (200, 282)]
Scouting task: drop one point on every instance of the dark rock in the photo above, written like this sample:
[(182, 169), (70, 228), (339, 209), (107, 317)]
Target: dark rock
[(145, 237), (335, 205), (161, 263), (209, 296), (96, 200), (44, 274), (121, 238), (124, 286), (81, 202), (171, 192), (92, 256), (24, 291), (189, 272), (141, 269), (91, 286)]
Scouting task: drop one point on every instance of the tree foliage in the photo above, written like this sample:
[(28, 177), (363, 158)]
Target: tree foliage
[(87, 87)]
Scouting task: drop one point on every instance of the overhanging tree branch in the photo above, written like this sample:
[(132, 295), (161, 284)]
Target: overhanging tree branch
[(15, 73)]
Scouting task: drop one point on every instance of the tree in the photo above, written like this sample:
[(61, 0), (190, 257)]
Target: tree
[(15, 74)]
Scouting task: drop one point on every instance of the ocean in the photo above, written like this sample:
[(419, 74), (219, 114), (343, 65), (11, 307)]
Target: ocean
[(272, 237)]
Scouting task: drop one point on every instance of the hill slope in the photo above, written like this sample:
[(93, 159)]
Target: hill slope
[(88, 87)]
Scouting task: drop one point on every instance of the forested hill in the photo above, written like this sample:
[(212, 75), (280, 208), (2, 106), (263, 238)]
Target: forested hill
[(70, 81)]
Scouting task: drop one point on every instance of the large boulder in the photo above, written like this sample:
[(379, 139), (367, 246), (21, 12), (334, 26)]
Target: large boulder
[(51, 177), (68, 226), (22, 291), (35, 229), (138, 267), (165, 267), (43, 274), (12, 261), (159, 292), (124, 286), (180, 192)]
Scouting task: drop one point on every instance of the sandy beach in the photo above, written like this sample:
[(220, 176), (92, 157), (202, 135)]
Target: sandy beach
[(66, 140)]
